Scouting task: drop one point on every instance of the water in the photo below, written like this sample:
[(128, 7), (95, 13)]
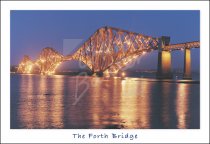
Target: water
[(41, 102)]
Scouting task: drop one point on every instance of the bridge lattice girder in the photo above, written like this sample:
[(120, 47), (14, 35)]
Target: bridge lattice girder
[(25, 65), (181, 46), (48, 60), (107, 49), (110, 48)]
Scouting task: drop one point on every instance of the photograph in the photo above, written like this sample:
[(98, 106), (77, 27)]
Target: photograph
[(105, 69)]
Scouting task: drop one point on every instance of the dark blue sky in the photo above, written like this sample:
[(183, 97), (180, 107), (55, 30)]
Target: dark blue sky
[(33, 30)]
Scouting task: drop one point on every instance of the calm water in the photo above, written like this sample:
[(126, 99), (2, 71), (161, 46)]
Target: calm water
[(57, 102)]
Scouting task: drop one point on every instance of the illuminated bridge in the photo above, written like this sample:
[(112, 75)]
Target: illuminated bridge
[(109, 50)]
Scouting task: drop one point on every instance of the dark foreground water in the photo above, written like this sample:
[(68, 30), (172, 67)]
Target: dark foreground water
[(91, 102)]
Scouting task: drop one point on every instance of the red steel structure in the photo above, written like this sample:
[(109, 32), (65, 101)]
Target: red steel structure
[(107, 50)]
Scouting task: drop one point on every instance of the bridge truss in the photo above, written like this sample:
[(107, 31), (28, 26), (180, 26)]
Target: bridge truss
[(111, 49), (107, 50)]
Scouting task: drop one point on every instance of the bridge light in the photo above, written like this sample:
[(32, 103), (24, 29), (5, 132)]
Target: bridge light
[(107, 74), (134, 57), (107, 51), (123, 74), (42, 60)]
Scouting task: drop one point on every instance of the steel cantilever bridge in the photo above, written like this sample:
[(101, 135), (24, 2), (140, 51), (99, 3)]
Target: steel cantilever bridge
[(110, 49)]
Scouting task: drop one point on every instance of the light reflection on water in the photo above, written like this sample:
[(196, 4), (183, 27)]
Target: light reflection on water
[(47, 102), (182, 105)]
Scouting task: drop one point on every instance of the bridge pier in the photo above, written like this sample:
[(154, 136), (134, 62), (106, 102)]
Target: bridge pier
[(187, 64), (164, 60), (164, 65)]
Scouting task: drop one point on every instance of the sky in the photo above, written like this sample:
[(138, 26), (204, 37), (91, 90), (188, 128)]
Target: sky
[(33, 30)]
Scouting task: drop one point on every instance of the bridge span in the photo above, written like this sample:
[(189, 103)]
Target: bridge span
[(110, 49)]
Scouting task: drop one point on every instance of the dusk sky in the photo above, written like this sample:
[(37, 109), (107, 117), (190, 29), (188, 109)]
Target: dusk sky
[(31, 31)]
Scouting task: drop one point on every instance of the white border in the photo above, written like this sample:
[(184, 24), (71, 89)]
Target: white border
[(65, 136)]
